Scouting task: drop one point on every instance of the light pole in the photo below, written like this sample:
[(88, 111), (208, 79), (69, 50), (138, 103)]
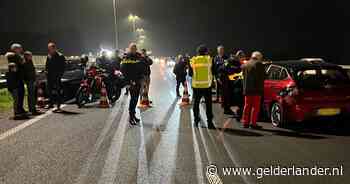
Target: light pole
[(133, 19), (115, 8)]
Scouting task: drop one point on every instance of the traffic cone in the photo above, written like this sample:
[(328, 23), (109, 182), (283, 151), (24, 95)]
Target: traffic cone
[(185, 97), (40, 97), (104, 103)]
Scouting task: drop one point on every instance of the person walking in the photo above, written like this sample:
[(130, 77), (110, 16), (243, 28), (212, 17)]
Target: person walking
[(201, 67), (253, 89), (219, 61), (29, 79), (134, 69), (14, 80), (147, 78), (55, 66), (180, 71)]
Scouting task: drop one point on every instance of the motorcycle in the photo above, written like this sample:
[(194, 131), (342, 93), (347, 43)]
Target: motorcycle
[(91, 85)]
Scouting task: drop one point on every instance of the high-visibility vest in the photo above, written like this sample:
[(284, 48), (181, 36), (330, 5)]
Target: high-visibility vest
[(202, 75)]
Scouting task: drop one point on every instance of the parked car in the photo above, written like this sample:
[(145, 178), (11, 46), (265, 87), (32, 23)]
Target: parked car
[(71, 78), (347, 68), (299, 90)]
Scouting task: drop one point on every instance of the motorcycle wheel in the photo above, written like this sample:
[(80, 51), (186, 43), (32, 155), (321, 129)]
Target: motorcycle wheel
[(81, 98)]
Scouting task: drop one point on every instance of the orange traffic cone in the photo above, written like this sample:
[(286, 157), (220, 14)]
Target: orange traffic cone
[(104, 103), (40, 97), (185, 97)]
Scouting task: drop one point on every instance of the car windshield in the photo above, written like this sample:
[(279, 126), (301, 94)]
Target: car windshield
[(320, 78)]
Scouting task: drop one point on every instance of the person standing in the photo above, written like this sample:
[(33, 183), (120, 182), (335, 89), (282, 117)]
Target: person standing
[(180, 71), (230, 72), (201, 67), (253, 89), (219, 62), (14, 80), (134, 69), (147, 78), (55, 66), (29, 79)]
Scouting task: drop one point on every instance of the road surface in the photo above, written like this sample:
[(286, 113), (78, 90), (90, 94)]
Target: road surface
[(97, 146)]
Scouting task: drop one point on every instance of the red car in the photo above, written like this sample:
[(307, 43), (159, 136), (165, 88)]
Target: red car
[(299, 90)]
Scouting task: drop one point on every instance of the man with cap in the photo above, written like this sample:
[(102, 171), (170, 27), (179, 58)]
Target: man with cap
[(201, 67), (29, 79), (253, 89), (55, 66), (14, 79)]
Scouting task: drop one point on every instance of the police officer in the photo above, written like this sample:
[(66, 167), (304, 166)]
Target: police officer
[(219, 61), (134, 69), (55, 66), (231, 71), (14, 80), (201, 67), (147, 78)]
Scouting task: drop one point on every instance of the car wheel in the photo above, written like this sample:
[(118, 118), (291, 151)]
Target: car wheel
[(277, 115)]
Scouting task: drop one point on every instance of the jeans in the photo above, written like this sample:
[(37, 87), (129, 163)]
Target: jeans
[(31, 95), (198, 93), (55, 91), (18, 98), (134, 94)]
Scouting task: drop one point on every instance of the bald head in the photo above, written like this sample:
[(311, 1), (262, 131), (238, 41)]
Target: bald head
[(132, 48), (257, 56)]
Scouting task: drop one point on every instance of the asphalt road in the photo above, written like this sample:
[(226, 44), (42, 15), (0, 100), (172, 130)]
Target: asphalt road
[(94, 145)]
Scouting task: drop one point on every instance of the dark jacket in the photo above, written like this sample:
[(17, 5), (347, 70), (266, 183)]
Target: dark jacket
[(231, 66), (14, 79), (133, 67), (218, 63), (180, 70), (254, 76), (149, 62), (55, 66), (29, 71)]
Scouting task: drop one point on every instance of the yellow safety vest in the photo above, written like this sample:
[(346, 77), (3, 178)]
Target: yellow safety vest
[(202, 75)]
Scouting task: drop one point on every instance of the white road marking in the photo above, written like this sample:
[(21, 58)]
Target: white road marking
[(109, 172), (24, 125), (198, 159), (93, 154), (142, 169)]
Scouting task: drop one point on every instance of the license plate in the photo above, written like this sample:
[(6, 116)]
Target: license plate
[(328, 112)]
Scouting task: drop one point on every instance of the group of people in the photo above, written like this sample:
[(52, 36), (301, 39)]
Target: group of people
[(21, 72), (238, 80)]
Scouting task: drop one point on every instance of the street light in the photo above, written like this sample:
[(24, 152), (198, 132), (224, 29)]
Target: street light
[(142, 37), (115, 8), (133, 19), (140, 30)]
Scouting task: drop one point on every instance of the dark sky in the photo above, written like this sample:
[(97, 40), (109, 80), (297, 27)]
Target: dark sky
[(281, 29)]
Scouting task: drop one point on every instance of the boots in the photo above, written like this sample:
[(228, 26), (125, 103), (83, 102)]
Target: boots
[(133, 120)]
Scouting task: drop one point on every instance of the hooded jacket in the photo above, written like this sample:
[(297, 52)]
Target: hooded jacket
[(14, 75), (133, 67)]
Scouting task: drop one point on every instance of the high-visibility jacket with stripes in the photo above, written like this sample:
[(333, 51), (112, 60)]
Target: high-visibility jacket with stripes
[(202, 71)]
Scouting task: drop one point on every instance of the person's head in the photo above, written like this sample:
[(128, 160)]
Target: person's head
[(202, 50), (257, 56), (221, 50), (179, 58), (52, 48), (240, 54), (132, 48), (104, 54), (28, 55), (17, 48), (144, 52)]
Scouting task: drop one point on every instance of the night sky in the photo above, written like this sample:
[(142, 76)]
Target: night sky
[(280, 29)]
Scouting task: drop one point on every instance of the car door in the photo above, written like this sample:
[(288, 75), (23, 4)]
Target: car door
[(271, 85)]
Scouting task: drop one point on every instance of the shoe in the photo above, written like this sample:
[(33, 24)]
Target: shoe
[(196, 122), (137, 120), (132, 121), (256, 127), (21, 117), (211, 125), (245, 126)]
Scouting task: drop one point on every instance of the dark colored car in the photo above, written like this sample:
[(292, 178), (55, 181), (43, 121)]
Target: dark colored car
[(299, 90), (72, 76)]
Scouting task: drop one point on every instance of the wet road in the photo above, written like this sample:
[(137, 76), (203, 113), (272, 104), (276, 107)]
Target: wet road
[(93, 145)]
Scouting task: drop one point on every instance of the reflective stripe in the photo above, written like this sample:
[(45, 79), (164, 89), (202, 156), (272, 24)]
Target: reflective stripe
[(201, 65), (129, 62), (236, 76)]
